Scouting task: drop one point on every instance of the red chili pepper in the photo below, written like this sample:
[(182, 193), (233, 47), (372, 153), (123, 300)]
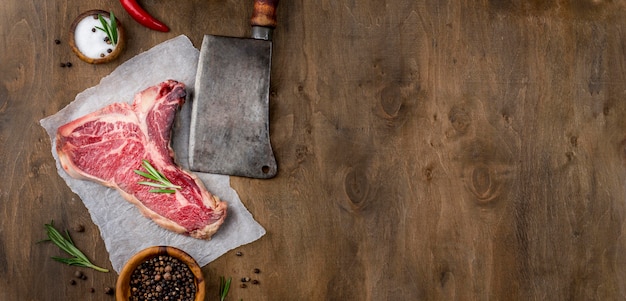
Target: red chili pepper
[(143, 17)]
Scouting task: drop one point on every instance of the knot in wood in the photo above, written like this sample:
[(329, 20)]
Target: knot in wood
[(459, 119), (428, 173), (356, 186), (391, 100), (483, 183)]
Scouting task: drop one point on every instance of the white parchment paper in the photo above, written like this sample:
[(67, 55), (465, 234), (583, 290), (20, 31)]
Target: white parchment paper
[(124, 230)]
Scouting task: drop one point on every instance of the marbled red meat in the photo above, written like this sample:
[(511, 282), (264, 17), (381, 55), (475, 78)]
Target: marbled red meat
[(106, 146)]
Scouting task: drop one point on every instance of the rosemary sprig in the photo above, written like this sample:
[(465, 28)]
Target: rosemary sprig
[(162, 184), (224, 287), (109, 29), (66, 244)]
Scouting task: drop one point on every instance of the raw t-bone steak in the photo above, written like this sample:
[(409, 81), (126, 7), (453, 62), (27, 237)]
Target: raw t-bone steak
[(106, 147)]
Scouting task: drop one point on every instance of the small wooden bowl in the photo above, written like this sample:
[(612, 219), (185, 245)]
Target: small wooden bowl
[(119, 47), (122, 288)]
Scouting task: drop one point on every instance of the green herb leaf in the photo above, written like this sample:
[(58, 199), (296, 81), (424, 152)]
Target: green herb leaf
[(113, 28), (109, 28), (224, 287), (153, 184), (162, 190), (159, 180), (66, 244)]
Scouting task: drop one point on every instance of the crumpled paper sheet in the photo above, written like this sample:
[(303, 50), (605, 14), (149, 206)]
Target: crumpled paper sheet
[(124, 230)]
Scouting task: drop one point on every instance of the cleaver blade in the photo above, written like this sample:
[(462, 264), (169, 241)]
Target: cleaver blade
[(229, 131)]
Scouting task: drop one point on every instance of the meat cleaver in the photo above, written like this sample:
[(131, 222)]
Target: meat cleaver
[(229, 131)]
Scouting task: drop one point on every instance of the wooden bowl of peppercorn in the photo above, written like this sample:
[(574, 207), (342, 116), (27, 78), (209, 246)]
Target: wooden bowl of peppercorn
[(161, 273)]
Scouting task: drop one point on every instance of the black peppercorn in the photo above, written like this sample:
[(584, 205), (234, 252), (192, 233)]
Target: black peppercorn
[(68, 64), (239, 254), (79, 228), (72, 282), (256, 271), (78, 274), (62, 65), (108, 290), (255, 281), (57, 41)]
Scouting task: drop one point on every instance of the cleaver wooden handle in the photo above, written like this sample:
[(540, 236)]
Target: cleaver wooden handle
[(264, 13)]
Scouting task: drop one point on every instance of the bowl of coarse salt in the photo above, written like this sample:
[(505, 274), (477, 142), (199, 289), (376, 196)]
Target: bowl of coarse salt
[(97, 37)]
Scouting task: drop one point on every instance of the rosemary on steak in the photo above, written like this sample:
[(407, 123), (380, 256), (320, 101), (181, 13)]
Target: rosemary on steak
[(66, 244), (109, 28), (159, 181)]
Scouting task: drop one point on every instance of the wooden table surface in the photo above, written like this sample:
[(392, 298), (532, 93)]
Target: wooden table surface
[(427, 150)]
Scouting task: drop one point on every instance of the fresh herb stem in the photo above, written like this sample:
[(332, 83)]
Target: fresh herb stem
[(224, 287), (109, 28), (66, 244), (162, 184)]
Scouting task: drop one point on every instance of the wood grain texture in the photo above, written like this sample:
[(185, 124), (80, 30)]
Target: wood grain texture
[(427, 150)]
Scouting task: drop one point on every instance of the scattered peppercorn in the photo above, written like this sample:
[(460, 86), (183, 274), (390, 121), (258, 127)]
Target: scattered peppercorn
[(57, 41), (62, 65), (109, 50), (239, 254), (256, 271), (109, 290), (79, 274), (255, 281), (245, 279), (92, 290), (243, 285), (68, 64), (79, 228), (72, 282), (102, 55)]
